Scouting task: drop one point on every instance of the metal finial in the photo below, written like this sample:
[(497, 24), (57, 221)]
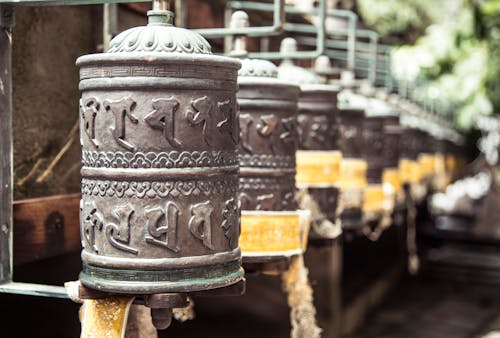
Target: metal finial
[(239, 19), (288, 46), (160, 14)]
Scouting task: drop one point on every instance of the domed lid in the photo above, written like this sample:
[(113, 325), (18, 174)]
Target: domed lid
[(288, 71), (249, 67), (348, 100), (323, 67), (159, 36)]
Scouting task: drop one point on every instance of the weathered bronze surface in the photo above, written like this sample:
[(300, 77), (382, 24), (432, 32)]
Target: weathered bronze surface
[(159, 130), (268, 124)]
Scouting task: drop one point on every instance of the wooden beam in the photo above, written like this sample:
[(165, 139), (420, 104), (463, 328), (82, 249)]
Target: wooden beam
[(46, 227)]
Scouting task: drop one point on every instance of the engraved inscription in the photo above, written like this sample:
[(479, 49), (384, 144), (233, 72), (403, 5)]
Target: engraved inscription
[(120, 109), (312, 130), (88, 110), (230, 223), (203, 107), (92, 221), (290, 127), (245, 124), (162, 226), (200, 223), (118, 235), (267, 124), (228, 124), (163, 117)]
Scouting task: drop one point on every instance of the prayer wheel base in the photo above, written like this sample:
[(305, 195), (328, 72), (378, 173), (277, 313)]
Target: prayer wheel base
[(139, 282)]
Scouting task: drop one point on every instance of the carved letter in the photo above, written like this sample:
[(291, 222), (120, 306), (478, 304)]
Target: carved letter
[(200, 223), (92, 221), (203, 108), (163, 117), (267, 124), (167, 231), (228, 124), (120, 109), (245, 124), (230, 223), (266, 202), (88, 110), (119, 235), (289, 124)]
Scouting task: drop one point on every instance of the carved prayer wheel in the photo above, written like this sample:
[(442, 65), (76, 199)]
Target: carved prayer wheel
[(318, 155), (351, 108), (270, 224), (392, 147), (159, 131)]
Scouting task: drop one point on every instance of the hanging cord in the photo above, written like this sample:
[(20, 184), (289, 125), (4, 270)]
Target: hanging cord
[(384, 218), (411, 232), (320, 224), (300, 299)]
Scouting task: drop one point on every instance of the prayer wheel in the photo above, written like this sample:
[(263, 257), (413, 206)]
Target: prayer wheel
[(353, 180), (318, 155), (268, 122), (159, 131)]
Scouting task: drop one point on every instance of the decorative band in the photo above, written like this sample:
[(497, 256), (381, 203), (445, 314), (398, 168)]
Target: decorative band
[(267, 161), (171, 159), (183, 274), (153, 189), (152, 71)]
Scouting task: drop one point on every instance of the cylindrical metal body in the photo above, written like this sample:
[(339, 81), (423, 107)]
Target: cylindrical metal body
[(159, 131), (392, 139), (268, 122), (318, 131), (373, 148)]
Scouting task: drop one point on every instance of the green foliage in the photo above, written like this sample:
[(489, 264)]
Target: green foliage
[(457, 55)]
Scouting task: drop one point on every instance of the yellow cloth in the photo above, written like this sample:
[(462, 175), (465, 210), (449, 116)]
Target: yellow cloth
[(374, 198), (392, 177), (353, 173), (106, 317), (409, 171), (427, 165), (273, 231), (318, 167)]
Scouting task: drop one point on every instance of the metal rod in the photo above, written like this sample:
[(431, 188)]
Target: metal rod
[(320, 37), (6, 167), (38, 290), (275, 29), (180, 13), (109, 24), (320, 11)]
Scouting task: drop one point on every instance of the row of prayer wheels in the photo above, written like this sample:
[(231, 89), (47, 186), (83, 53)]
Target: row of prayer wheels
[(191, 159)]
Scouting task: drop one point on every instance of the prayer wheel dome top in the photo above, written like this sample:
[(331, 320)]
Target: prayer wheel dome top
[(160, 36), (257, 68), (249, 67), (288, 71)]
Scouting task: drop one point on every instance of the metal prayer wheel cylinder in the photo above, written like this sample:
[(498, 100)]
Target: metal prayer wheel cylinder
[(351, 109), (318, 157), (373, 148), (159, 131), (391, 154), (268, 122)]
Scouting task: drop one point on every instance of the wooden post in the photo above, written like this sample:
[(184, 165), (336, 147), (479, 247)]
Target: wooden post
[(6, 166)]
